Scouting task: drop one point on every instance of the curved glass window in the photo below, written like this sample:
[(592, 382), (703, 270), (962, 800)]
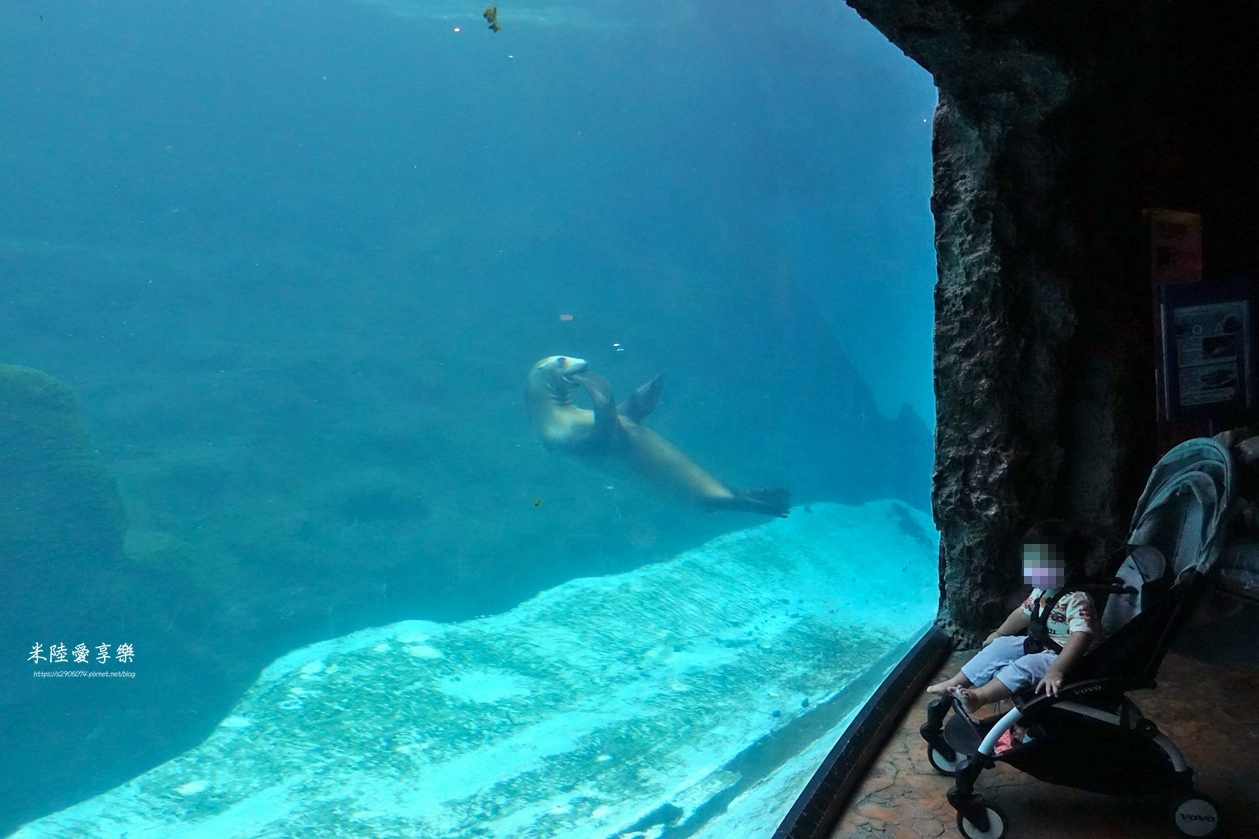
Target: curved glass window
[(339, 494)]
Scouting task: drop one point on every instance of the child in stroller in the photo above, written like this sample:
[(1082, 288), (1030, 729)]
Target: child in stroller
[(1042, 638), (1087, 733)]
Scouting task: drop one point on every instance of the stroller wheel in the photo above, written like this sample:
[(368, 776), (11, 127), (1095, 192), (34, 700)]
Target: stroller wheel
[(1196, 816), (942, 764), (997, 824)]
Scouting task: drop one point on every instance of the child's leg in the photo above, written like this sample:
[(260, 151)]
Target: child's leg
[(979, 669), (1021, 674), (958, 681)]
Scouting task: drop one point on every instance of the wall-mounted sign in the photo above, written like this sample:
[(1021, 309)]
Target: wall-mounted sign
[(1175, 246), (1208, 349)]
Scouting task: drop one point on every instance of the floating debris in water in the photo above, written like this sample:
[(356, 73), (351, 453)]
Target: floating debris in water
[(538, 503), (618, 347), (566, 317), (491, 17)]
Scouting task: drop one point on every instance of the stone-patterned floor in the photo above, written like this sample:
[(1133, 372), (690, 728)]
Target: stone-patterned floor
[(1210, 712)]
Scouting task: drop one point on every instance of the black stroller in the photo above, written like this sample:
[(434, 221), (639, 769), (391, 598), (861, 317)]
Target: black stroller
[(1091, 736)]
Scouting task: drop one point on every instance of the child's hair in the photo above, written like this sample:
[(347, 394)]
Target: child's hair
[(1074, 543)]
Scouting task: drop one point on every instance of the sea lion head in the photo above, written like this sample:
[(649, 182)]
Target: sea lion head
[(554, 376)]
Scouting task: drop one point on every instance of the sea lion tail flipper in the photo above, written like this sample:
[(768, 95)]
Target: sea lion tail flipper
[(642, 401), (769, 501)]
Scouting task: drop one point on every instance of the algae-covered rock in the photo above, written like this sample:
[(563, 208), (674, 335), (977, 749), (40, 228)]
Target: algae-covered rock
[(61, 518), (58, 502), (61, 574)]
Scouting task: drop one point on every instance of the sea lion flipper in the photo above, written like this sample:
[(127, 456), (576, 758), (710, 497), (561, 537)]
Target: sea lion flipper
[(768, 501), (600, 393), (642, 401)]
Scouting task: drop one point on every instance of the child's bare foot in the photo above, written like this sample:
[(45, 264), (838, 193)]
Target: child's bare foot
[(958, 681), (969, 701)]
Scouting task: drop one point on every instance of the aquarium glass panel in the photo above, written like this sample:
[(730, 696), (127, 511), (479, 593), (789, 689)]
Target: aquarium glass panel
[(424, 419)]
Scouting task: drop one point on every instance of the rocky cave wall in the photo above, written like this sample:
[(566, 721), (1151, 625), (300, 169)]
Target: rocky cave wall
[(1057, 124)]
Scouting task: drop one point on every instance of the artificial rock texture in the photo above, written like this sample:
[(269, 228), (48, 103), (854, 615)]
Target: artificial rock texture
[(61, 519), (657, 701), (1057, 124), (70, 573)]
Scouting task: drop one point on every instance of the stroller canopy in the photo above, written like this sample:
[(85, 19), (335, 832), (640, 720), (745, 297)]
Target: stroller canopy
[(1178, 529), (1185, 507)]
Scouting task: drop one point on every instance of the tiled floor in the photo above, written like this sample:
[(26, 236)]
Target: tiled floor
[(1210, 712)]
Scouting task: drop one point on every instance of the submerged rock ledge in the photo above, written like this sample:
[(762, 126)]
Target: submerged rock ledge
[(611, 706)]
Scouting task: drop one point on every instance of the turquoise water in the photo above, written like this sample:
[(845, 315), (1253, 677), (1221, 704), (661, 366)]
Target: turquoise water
[(291, 263), (624, 705)]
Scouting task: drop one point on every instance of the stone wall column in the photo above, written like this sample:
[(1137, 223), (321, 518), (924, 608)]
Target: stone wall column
[(1003, 322), (1042, 330)]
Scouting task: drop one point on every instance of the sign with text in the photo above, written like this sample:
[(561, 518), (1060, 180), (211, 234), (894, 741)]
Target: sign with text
[(1208, 349)]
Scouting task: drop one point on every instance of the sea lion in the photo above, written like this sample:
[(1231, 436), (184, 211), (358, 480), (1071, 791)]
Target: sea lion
[(613, 438)]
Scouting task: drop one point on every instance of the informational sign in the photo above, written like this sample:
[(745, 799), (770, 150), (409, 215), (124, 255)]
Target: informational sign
[(1209, 343), (1175, 246), (1208, 349)]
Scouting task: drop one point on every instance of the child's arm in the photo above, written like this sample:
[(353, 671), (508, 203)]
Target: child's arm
[(1015, 624), (1077, 644)]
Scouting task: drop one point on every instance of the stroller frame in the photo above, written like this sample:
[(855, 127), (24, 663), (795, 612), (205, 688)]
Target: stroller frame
[(1092, 736)]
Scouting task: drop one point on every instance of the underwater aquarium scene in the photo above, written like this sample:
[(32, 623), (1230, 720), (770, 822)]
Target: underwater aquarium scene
[(420, 419)]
